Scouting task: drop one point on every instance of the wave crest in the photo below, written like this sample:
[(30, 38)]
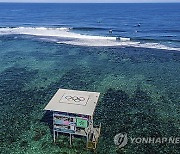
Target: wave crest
[(67, 36)]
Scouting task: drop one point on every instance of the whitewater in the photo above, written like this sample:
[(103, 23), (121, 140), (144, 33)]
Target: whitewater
[(67, 36)]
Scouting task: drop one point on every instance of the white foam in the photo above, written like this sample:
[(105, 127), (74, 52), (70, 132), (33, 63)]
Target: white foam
[(95, 42), (62, 34), (123, 39), (155, 46)]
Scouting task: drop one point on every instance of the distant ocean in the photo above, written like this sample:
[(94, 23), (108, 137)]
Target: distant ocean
[(130, 53), (146, 25)]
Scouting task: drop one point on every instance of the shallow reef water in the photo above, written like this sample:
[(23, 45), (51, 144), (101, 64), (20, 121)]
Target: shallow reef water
[(140, 94)]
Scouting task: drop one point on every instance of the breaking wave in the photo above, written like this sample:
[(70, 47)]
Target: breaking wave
[(67, 36)]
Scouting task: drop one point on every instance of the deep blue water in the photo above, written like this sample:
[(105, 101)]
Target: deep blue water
[(158, 22)]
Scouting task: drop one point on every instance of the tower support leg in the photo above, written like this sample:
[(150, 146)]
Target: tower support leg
[(54, 135), (70, 139)]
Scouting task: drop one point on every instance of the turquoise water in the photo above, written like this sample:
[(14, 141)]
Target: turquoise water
[(139, 94)]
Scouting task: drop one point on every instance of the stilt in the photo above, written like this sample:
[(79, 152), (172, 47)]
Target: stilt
[(87, 141), (70, 139), (54, 134)]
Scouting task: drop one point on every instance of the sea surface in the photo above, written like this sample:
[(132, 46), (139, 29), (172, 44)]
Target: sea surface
[(130, 53)]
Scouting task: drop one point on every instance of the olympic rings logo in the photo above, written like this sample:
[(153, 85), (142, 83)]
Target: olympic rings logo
[(75, 98)]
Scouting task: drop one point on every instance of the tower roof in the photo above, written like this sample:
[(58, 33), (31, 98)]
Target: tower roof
[(73, 101)]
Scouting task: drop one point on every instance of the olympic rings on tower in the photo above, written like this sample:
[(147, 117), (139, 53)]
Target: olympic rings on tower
[(75, 98)]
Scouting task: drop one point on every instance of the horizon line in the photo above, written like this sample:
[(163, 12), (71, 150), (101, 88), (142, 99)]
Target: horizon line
[(95, 2)]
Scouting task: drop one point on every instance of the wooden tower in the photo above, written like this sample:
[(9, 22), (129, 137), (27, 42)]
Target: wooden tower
[(73, 114)]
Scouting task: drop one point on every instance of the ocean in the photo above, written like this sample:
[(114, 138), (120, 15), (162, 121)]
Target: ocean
[(130, 53)]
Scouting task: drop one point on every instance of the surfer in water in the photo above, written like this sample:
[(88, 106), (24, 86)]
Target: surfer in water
[(110, 31)]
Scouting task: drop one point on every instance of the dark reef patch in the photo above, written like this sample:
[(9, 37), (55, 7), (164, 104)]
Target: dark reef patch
[(38, 134), (16, 103), (77, 78), (24, 144), (136, 116)]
